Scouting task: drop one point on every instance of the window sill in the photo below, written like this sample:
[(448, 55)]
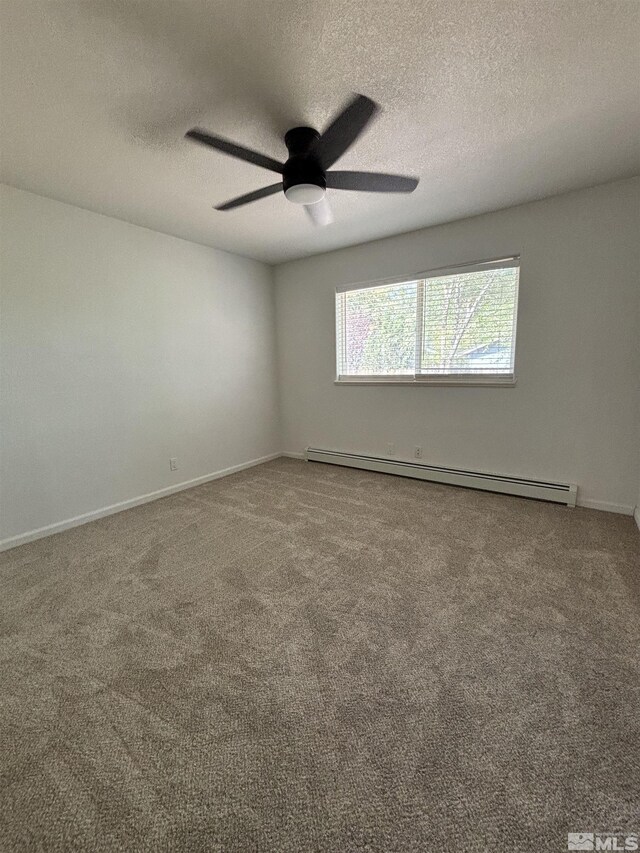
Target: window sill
[(448, 382)]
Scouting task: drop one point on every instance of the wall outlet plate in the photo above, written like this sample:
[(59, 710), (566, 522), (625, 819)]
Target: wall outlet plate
[(173, 463), (417, 451)]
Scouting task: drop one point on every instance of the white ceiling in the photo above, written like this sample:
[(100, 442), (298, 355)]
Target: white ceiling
[(490, 102)]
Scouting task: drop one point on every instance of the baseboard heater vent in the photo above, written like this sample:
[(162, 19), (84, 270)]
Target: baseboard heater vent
[(564, 493)]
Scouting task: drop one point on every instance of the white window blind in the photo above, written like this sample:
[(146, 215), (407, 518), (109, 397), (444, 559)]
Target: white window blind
[(454, 325)]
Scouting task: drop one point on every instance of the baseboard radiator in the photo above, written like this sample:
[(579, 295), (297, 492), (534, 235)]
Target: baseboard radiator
[(564, 493)]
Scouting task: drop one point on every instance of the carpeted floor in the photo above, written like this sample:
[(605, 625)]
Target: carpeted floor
[(307, 658)]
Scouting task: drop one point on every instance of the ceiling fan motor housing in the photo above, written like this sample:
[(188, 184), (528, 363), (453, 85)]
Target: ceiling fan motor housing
[(302, 167)]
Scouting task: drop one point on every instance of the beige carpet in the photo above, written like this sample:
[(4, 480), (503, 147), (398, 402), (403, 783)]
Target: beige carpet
[(307, 658)]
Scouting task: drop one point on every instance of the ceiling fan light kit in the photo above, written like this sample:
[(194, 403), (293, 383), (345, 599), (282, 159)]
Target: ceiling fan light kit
[(304, 193), (305, 175)]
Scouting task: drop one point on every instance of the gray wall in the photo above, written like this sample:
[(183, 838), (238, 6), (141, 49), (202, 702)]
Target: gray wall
[(573, 414), (121, 348)]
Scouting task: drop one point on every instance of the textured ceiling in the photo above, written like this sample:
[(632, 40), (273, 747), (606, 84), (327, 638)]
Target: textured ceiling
[(489, 103)]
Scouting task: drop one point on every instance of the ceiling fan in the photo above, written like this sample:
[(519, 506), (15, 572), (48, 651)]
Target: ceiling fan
[(304, 174)]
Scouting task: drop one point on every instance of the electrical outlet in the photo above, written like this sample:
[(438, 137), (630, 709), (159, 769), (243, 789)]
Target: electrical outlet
[(391, 448), (173, 463), (417, 451)]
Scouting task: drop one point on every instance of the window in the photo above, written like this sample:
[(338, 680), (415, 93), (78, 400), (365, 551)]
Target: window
[(449, 326)]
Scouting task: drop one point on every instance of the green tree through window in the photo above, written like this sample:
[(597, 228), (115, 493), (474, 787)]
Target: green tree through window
[(455, 324)]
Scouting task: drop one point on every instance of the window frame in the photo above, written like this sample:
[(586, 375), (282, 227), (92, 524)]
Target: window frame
[(418, 380)]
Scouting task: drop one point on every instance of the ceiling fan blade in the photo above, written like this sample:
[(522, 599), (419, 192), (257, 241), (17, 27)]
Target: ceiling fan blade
[(249, 197), (371, 182), (235, 150), (319, 213), (344, 130)]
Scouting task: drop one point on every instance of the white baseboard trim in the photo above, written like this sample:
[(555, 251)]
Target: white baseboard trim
[(605, 506), (94, 515)]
